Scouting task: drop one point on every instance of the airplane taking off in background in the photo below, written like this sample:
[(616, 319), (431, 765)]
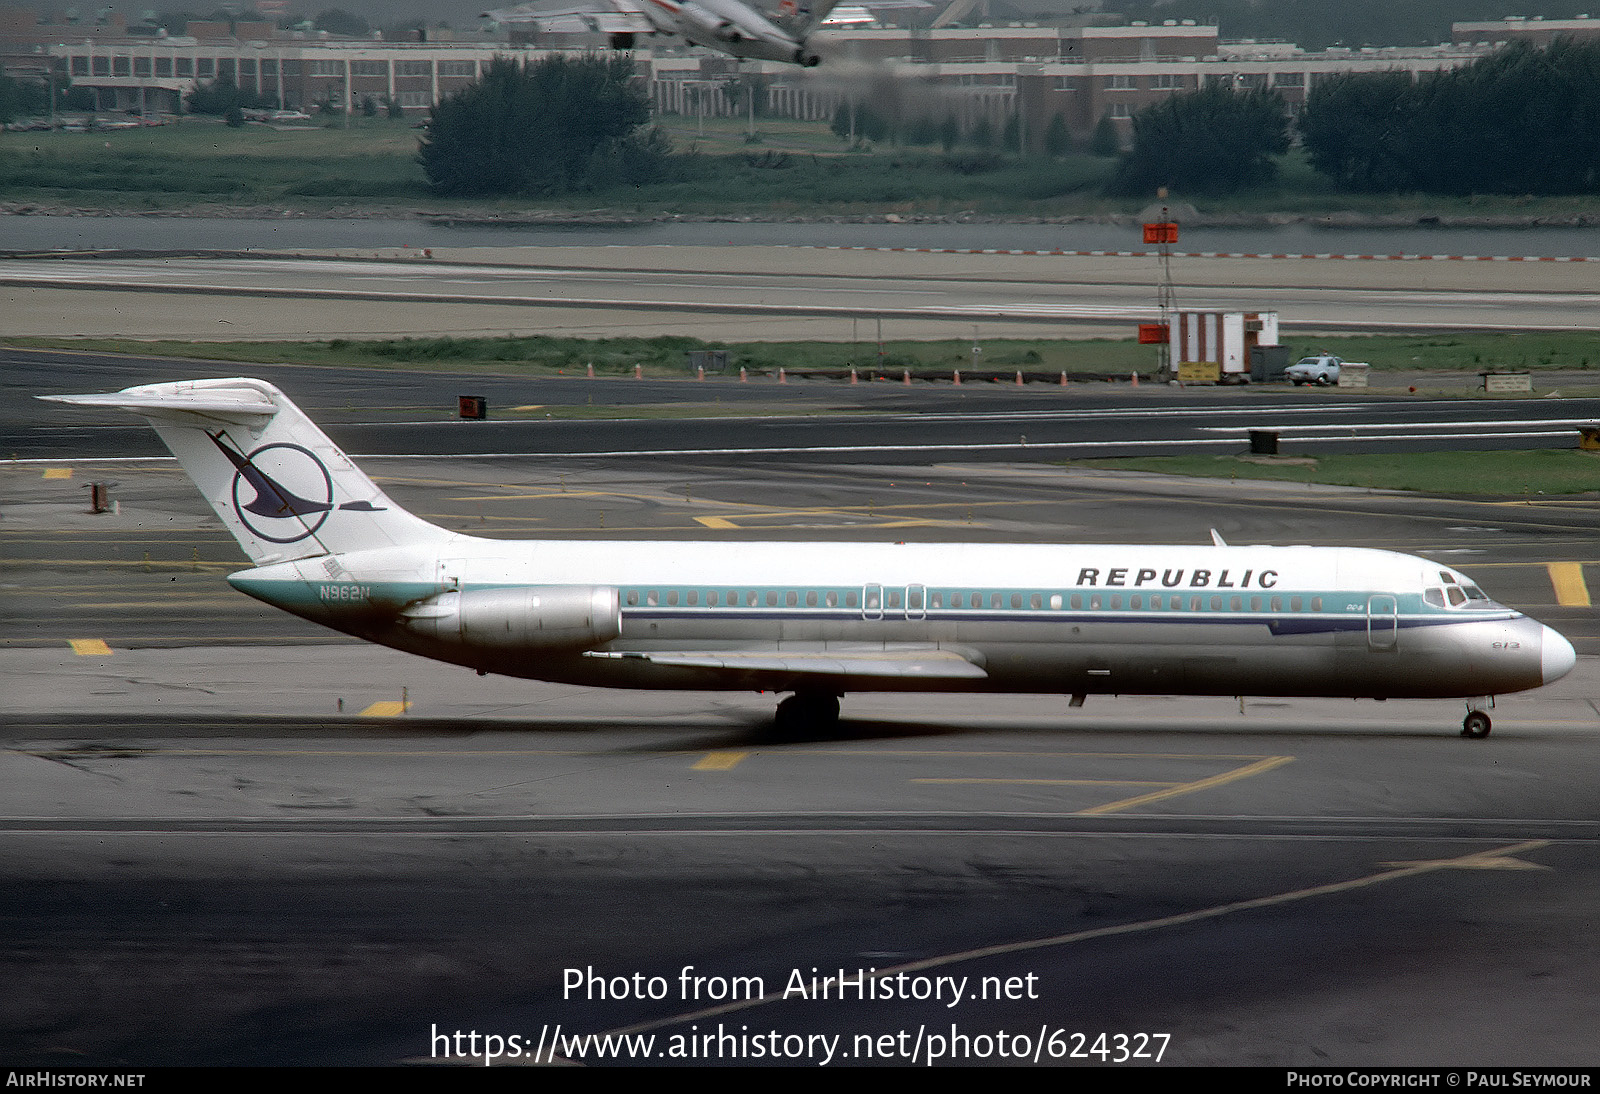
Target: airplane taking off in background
[(824, 619), (728, 26)]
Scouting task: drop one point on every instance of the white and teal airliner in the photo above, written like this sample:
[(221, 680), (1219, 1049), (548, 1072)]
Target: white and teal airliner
[(820, 620)]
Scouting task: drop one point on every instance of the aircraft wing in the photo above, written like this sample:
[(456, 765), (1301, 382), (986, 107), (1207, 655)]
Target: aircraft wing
[(922, 661), (616, 17), (860, 12)]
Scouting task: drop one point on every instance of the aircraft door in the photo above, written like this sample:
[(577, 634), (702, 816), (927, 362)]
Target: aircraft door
[(872, 602), (916, 602), (1383, 623)]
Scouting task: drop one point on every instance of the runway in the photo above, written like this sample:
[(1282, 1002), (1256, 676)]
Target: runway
[(549, 418), (760, 293)]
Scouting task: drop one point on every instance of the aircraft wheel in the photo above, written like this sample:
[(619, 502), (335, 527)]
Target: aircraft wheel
[(807, 712), (1476, 725)]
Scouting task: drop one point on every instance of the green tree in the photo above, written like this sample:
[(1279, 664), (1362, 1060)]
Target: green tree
[(1212, 141), (867, 123), (1106, 141), (982, 133), (1356, 129), (1011, 135), (1057, 141), (551, 126), (1523, 120), (220, 96)]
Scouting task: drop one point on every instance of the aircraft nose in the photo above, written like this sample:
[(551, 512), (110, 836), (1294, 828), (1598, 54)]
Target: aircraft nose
[(1556, 656)]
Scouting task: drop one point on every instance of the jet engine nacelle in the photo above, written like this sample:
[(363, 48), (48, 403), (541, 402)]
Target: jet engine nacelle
[(705, 25), (532, 617)]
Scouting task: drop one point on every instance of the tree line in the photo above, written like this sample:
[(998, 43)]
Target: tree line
[(1522, 120)]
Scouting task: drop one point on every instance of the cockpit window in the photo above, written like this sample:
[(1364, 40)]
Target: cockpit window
[(1434, 597), (1475, 593), (1457, 597), (1447, 578)]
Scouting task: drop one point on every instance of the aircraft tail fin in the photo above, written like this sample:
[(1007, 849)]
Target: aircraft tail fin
[(277, 482)]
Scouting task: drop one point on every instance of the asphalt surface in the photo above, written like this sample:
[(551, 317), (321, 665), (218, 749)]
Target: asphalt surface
[(416, 414)]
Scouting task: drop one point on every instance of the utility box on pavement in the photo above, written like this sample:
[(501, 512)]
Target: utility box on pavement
[(1354, 374), (1267, 363)]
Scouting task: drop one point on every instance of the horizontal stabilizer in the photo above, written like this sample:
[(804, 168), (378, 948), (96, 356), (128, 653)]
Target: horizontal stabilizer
[(245, 406), (922, 662)]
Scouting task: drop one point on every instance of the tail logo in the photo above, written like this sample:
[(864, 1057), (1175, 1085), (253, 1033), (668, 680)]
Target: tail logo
[(290, 491), (292, 487)]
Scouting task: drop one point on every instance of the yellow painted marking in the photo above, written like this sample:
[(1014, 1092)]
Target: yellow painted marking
[(384, 708), (89, 647), (530, 406), (1237, 773), (1567, 578), (720, 761), (1056, 782), (1142, 926), (716, 522), (1482, 860), (925, 522), (58, 472)]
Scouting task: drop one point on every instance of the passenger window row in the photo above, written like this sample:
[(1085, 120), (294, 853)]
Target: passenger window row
[(892, 598)]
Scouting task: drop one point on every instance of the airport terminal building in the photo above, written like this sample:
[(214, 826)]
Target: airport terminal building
[(1034, 73)]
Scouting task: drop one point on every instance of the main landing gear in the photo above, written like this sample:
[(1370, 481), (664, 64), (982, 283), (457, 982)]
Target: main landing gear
[(1477, 723), (807, 712)]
